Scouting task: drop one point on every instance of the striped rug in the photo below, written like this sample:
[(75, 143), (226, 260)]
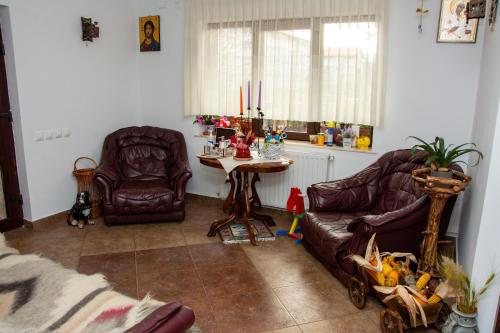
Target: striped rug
[(38, 295)]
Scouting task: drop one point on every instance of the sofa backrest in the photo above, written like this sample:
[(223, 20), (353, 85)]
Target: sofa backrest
[(396, 188), (146, 153)]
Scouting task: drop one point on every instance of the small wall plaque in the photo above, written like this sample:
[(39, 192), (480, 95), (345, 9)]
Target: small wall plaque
[(476, 9)]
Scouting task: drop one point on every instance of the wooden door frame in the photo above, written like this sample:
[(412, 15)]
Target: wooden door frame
[(8, 165)]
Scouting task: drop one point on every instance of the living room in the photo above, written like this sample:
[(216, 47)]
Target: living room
[(316, 102)]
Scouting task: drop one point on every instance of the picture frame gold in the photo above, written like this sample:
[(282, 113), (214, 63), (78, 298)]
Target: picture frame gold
[(453, 24), (149, 33)]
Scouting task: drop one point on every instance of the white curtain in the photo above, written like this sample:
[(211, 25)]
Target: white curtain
[(317, 59)]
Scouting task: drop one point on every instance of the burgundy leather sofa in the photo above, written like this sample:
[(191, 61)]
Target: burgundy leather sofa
[(170, 318), (143, 175), (381, 199)]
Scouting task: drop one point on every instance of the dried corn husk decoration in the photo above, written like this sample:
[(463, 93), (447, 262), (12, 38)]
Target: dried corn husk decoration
[(371, 249), (409, 297)]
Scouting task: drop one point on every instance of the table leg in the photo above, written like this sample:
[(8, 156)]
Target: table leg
[(219, 224), (254, 199), (267, 219), (247, 209), (238, 196), (230, 197)]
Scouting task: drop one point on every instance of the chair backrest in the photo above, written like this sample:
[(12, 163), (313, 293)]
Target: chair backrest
[(146, 153), (396, 188)]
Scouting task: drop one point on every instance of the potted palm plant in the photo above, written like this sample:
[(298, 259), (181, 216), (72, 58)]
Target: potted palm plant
[(441, 156), (464, 311)]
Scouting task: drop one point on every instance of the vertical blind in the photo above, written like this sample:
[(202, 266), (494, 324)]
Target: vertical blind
[(317, 59)]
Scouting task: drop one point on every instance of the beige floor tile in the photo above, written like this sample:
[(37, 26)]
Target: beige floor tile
[(358, 323), (156, 237), (293, 329), (108, 241), (197, 234), (314, 302), (285, 271)]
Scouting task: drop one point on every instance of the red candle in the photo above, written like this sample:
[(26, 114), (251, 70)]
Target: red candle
[(241, 101)]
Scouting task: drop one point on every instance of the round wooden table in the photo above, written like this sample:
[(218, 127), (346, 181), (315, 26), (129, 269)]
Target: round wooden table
[(239, 204)]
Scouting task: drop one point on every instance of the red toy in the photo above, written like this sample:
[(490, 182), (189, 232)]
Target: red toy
[(295, 200)]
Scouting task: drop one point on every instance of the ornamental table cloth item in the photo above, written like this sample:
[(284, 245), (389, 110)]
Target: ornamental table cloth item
[(229, 163)]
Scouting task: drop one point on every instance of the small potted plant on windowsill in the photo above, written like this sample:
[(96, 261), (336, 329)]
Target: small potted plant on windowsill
[(464, 311), (441, 156)]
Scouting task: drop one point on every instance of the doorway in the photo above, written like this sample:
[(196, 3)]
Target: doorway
[(11, 200)]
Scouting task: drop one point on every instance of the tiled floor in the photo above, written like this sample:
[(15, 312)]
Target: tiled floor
[(275, 287)]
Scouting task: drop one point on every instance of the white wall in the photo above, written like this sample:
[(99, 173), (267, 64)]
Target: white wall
[(428, 85), (480, 229), (63, 83)]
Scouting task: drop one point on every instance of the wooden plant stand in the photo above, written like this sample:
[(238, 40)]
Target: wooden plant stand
[(439, 190)]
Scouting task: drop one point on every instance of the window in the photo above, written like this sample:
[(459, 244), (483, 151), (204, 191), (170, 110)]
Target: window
[(318, 60)]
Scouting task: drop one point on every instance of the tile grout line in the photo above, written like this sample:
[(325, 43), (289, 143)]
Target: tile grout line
[(208, 300)]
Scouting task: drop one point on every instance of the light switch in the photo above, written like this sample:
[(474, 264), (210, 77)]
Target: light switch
[(48, 135), (66, 132), (39, 136), (58, 133)]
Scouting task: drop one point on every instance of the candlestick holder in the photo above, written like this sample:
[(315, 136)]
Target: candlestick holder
[(260, 121)]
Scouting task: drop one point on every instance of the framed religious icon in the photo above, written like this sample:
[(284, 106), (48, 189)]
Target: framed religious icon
[(149, 33), (453, 24)]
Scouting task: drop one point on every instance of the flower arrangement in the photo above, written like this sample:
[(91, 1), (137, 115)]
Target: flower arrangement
[(210, 120), (274, 136), (467, 296)]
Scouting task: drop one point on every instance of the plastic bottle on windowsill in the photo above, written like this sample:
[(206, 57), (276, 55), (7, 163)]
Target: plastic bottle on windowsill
[(330, 134)]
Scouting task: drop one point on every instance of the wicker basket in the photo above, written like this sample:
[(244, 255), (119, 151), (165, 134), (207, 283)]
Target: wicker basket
[(85, 183)]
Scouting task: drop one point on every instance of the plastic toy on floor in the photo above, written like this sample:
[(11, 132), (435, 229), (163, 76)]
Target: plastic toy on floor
[(295, 201)]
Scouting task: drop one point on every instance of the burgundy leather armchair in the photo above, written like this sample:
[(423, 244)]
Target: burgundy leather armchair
[(143, 175), (381, 199)]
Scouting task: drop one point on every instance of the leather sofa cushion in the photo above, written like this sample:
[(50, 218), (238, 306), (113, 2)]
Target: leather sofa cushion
[(327, 231), (139, 196)]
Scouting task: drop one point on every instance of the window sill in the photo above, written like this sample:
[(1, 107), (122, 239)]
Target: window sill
[(305, 144)]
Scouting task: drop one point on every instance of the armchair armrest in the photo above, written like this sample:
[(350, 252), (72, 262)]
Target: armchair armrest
[(170, 318), (180, 182), (351, 194), (107, 178)]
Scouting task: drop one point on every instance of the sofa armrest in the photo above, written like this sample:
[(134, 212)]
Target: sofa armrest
[(382, 219), (400, 230), (180, 183), (170, 318)]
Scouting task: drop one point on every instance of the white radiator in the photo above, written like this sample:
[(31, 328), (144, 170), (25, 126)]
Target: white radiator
[(307, 169)]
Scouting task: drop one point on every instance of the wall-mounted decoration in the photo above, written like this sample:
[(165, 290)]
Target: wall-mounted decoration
[(493, 14), (476, 9), (421, 11), (453, 25), (149, 33), (90, 30)]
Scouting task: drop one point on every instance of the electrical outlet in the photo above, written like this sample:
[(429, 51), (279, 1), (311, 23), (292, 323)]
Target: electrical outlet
[(48, 135), (39, 136), (66, 132)]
